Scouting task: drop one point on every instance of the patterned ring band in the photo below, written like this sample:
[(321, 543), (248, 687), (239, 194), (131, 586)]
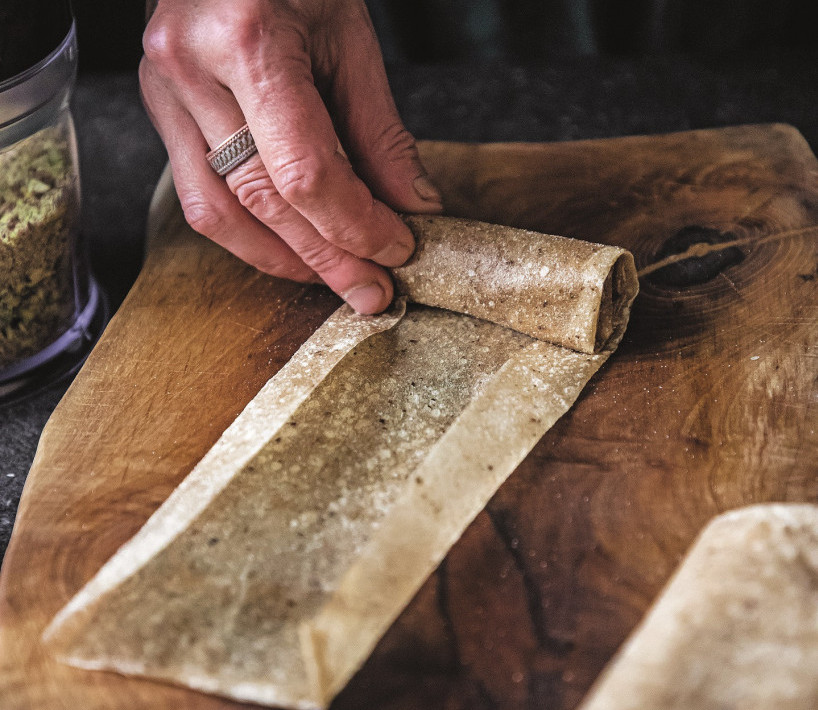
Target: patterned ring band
[(232, 151)]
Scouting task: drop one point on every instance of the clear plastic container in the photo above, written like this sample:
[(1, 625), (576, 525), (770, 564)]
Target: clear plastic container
[(49, 304)]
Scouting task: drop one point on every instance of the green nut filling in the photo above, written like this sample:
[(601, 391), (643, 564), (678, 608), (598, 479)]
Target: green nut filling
[(39, 208)]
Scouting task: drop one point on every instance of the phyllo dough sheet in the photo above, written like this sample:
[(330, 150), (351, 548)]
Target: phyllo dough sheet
[(736, 626), (272, 571)]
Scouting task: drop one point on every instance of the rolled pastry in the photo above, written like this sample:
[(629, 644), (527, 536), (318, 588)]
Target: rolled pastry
[(565, 291)]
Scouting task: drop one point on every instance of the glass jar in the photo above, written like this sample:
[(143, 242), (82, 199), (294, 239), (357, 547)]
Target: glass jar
[(49, 303)]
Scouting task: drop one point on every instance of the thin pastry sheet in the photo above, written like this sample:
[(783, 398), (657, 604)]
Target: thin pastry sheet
[(272, 571), (737, 625)]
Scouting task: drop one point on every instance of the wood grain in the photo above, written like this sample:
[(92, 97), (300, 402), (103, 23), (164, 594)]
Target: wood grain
[(709, 404)]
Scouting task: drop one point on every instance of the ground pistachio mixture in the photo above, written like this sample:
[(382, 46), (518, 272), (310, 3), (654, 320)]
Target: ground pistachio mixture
[(39, 202)]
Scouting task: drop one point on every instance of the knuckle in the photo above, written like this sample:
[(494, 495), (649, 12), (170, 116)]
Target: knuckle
[(204, 216), (301, 178), (243, 25), (396, 142), (352, 237), (322, 258), (255, 192), (263, 201), (163, 44)]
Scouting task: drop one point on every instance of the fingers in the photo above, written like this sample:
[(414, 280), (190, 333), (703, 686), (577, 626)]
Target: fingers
[(297, 143), (382, 150), (363, 284), (250, 191), (209, 206), (254, 62)]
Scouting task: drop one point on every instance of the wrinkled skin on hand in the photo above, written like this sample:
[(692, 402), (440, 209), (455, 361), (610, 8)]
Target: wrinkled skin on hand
[(334, 159)]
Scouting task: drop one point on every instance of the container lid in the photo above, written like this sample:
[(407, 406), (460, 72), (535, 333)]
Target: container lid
[(28, 99), (30, 30)]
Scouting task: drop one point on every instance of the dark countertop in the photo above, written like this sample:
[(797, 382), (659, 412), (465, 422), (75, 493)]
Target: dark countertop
[(121, 156)]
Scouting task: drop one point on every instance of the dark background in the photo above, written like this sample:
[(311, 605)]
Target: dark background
[(522, 32), (529, 32)]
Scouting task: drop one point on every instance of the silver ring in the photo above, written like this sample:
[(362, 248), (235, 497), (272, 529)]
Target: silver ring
[(232, 151)]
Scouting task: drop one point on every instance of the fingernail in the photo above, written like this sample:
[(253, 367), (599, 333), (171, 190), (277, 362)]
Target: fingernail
[(366, 299), (426, 190), (395, 253)]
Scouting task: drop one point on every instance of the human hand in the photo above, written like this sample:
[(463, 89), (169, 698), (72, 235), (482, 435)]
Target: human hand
[(307, 77)]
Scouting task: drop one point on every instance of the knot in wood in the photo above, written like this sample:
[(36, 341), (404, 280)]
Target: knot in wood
[(694, 255)]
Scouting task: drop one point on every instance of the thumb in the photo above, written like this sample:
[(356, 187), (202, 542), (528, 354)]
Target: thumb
[(381, 150)]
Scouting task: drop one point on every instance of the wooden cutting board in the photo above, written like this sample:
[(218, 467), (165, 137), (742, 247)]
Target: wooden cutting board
[(710, 403)]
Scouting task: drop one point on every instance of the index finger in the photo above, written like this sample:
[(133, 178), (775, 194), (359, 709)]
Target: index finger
[(298, 145)]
